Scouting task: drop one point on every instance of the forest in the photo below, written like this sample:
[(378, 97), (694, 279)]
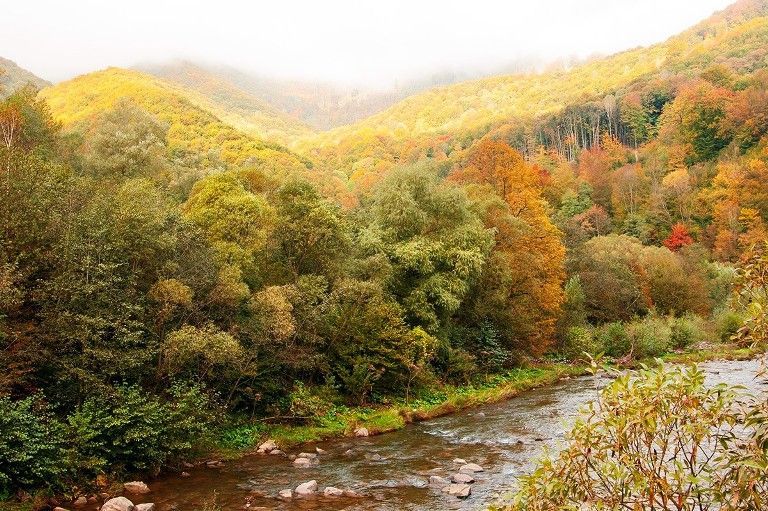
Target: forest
[(181, 266)]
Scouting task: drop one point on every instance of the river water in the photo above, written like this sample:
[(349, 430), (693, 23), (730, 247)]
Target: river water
[(391, 471)]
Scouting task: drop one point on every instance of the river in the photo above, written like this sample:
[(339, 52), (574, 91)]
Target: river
[(391, 471)]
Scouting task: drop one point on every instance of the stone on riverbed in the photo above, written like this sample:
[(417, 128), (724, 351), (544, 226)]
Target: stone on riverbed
[(60, 509), (438, 481), (302, 462), (461, 491), (462, 478), (320, 451), (277, 452), (285, 494), (361, 432), (307, 488), (145, 507), (308, 455), (118, 504), (471, 468), (267, 447), (460, 461), (330, 491), (80, 501), (137, 487)]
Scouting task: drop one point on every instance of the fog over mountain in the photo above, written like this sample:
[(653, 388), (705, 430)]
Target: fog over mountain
[(340, 41)]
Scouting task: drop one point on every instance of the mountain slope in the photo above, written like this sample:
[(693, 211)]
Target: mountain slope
[(318, 105), (233, 105), (192, 126), (736, 38), (13, 77)]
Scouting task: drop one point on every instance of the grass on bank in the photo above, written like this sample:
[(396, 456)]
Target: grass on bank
[(342, 420)]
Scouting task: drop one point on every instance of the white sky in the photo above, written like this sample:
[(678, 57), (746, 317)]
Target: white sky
[(343, 41)]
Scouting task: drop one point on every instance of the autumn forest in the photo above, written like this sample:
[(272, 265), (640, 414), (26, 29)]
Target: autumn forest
[(193, 261)]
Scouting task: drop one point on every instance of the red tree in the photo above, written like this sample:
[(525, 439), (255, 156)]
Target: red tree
[(678, 238)]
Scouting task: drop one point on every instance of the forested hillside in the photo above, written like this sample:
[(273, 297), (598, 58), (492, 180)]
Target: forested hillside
[(171, 281), (12, 78), (319, 105), (195, 123), (234, 105)]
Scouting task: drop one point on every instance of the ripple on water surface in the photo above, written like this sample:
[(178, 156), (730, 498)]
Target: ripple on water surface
[(392, 471)]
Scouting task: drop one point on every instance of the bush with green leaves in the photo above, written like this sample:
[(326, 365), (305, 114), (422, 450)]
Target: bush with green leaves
[(657, 439), (650, 336), (578, 341), (686, 330), (127, 430), (614, 339), (32, 453), (727, 323)]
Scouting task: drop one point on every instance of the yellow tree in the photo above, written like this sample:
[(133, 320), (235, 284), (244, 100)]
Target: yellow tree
[(521, 289)]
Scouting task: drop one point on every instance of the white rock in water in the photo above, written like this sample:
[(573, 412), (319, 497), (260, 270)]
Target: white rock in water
[(118, 504), (267, 446), (330, 491), (361, 432), (438, 481), (145, 507), (471, 468), (276, 452), (461, 491), (136, 487), (302, 462), (80, 501), (308, 455), (320, 451), (460, 461), (462, 478), (285, 494), (307, 488)]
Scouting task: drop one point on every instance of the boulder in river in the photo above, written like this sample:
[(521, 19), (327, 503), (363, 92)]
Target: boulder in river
[(438, 481), (308, 455), (137, 487), (185, 474), (471, 468), (361, 432), (302, 462), (118, 504), (80, 501), (461, 491), (285, 494), (460, 461), (320, 451), (330, 491), (462, 478), (149, 506), (267, 447), (352, 494), (307, 488)]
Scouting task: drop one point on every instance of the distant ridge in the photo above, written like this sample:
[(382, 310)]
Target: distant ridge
[(13, 77)]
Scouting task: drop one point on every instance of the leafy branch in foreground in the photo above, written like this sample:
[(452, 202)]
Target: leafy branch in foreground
[(659, 439)]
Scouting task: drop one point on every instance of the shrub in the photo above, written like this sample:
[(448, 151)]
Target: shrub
[(31, 446), (659, 440), (614, 339), (307, 402), (579, 340), (727, 323), (128, 430), (686, 330), (650, 336)]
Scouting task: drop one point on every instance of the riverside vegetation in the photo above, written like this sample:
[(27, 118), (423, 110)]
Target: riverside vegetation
[(172, 284)]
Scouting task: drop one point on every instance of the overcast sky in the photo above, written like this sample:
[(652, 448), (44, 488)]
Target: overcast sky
[(343, 41)]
